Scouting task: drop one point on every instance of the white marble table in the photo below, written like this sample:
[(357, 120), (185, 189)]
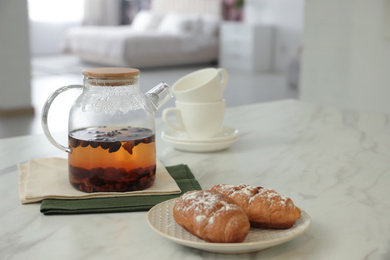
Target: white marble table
[(335, 164)]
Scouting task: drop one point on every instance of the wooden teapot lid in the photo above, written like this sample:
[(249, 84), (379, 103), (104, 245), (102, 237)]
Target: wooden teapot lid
[(111, 72)]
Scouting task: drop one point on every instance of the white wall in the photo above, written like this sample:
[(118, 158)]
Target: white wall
[(287, 17), (346, 57), (49, 20), (46, 37), (14, 55)]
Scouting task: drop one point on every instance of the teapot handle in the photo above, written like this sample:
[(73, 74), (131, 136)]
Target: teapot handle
[(45, 113), (224, 77)]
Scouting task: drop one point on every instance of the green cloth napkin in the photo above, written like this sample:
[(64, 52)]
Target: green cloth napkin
[(180, 173)]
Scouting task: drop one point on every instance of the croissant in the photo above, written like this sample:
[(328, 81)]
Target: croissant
[(211, 216), (265, 207)]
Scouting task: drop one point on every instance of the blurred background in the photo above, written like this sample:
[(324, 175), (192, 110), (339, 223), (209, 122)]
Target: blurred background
[(323, 51)]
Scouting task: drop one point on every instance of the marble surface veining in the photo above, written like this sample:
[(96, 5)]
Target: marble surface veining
[(334, 164)]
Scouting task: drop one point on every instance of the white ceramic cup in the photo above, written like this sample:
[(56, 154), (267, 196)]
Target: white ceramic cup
[(197, 120), (205, 85)]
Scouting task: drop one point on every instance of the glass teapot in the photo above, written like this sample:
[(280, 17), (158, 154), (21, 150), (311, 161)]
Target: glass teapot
[(111, 131)]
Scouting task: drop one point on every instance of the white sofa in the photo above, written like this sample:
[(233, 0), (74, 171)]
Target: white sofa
[(164, 35)]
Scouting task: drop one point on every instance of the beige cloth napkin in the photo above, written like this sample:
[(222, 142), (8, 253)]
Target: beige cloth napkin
[(48, 178)]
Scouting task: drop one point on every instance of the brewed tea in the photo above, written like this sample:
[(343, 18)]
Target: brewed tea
[(108, 159)]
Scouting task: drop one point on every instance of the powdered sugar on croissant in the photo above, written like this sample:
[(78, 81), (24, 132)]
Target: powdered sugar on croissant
[(265, 208), (211, 216)]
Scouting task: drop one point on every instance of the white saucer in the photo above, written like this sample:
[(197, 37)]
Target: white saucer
[(200, 147), (224, 135), (160, 219)]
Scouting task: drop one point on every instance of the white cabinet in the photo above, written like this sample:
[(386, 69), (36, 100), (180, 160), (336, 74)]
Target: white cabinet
[(246, 47)]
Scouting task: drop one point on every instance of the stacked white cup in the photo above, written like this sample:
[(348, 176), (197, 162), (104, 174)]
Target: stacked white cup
[(200, 107)]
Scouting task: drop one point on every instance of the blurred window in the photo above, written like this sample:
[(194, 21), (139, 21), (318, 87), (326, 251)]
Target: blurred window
[(56, 10)]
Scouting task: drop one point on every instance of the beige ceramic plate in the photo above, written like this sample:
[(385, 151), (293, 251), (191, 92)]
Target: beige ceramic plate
[(161, 220)]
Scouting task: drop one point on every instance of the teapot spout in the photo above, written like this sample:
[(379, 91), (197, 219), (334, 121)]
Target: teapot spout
[(159, 95)]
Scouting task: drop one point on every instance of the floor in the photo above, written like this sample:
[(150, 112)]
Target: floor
[(51, 72)]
